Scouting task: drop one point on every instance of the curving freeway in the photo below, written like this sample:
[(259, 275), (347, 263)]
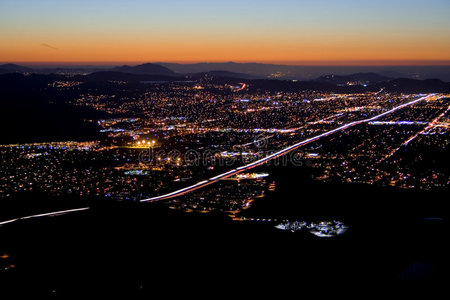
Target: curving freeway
[(235, 171)]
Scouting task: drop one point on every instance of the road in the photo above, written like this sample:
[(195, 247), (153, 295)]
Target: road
[(49, 214), (238, 170), (275, 155)]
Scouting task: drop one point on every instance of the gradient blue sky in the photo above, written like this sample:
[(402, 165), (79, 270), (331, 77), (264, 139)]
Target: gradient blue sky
[(296, 31)]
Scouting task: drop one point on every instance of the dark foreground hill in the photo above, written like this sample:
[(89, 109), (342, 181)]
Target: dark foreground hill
[(142, 248)]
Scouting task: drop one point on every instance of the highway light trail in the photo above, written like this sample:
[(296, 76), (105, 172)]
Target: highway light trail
[(235, 171), (430, 126), (276, 154), (50, 214)]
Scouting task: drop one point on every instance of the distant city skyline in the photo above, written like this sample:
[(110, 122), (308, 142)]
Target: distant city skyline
[(288, 32)]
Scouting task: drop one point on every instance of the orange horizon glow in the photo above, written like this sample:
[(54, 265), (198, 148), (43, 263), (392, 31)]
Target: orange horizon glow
[(126, 50), (293, 32)]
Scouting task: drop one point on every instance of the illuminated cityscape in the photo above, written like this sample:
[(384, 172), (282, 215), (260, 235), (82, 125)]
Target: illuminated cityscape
[(173, 148), (180, 147)]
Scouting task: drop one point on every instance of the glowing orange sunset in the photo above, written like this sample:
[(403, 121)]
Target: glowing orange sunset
[(292, 32)]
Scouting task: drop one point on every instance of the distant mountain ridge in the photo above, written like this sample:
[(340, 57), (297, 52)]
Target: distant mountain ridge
[(407, 85), (222, 74), (278, 71), (13, 68), (248, 71), (252, 69), (353, 79), (125, 76), (145, 69)]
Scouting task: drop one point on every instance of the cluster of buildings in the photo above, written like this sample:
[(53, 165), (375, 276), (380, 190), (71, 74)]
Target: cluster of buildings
[(319, 229)]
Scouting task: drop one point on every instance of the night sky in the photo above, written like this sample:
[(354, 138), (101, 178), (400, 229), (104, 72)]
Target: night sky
[(310, 32)]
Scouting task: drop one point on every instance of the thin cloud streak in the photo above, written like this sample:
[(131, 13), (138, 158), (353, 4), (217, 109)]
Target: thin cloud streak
[(49, 46)]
